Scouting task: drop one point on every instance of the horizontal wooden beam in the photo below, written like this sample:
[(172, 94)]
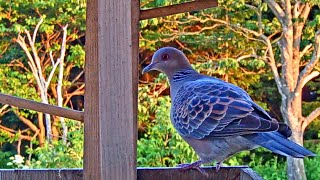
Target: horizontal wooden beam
[(143, 173), (225, 173), (41, 174), (177, 8), (41, 107)]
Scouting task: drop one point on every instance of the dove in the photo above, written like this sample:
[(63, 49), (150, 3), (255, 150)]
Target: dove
[(216, 118)]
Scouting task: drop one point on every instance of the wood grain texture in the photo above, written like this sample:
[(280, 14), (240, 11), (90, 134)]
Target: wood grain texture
[(225, 173), (177, 8), (135, 14), (41, 174), (111, 89), (41, 107)]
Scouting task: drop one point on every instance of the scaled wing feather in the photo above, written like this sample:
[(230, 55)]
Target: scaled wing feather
[(204, 108)]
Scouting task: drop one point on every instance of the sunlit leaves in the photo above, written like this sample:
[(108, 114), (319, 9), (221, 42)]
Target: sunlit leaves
[(229, 63), (76, 55), (59, 155)]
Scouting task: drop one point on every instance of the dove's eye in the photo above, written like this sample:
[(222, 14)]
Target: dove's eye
[(165, 57)]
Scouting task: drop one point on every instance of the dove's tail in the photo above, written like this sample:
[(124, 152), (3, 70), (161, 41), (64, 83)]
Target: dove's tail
[(277, 143)]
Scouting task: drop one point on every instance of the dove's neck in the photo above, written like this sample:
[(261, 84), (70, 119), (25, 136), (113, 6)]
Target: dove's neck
[(179, 78)]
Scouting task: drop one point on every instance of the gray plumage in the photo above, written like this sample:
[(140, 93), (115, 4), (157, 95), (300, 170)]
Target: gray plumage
[(216, 118)]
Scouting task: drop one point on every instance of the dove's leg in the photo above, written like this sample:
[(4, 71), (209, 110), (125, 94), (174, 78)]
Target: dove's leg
[(195, 165), (191, 165)]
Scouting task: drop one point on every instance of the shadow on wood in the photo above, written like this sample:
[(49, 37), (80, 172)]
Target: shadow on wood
[(225, 173)]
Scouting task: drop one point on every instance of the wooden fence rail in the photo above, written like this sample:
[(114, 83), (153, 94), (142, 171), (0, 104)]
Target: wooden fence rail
[(177, 8), (41, 107), (225, 173)]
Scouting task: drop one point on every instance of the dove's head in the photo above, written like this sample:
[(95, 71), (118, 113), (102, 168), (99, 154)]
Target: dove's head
[(168, 60)]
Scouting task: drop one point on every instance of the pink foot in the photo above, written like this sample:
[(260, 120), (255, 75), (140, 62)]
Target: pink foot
[(194, 165), (190, 166)]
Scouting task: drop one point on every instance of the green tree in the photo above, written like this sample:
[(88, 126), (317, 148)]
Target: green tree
[(295, 31)]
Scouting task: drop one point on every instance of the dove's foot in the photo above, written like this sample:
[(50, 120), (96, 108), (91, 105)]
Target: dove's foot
[(191, 165), (194, 165)]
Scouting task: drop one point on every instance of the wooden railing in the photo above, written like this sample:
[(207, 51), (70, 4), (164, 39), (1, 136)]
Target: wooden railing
[(225, 173), (41, 107)]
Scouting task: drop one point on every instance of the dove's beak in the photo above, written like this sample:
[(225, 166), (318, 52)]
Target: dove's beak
[(148, 68)]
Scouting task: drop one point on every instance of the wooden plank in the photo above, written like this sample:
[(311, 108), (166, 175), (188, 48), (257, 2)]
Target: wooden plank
[(177, 8), (41, 107), (111, 90), (160, 173), (41, 174), (225, 173)]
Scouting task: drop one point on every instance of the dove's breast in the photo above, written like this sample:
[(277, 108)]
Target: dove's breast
[(218, 149)]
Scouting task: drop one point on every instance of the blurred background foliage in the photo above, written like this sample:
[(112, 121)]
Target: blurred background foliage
[(212, 47)]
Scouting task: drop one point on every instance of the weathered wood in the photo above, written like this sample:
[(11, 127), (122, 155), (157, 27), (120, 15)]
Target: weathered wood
[(177, 8), (41, 107), (41, 174), (111, 89), (225, 173)]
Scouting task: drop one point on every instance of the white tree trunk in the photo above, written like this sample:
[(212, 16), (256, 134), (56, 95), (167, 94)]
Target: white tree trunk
[(44, 99), (35, 64), (291, 113), (295, 166), (48, 127), (60, 83)]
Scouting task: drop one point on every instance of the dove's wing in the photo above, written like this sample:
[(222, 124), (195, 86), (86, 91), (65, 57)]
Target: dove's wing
[(204, 108)]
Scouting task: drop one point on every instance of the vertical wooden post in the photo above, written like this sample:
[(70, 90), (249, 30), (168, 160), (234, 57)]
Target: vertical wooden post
[(111, 89)]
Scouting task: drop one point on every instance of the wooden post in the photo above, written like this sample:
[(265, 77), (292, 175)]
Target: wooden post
[(111, 89)]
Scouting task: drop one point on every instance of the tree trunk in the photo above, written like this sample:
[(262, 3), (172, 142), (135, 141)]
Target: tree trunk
[(292, 16), (47, 117), (54, 128), (291, 113), (42, 129), (48, 125), (295, 166)]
